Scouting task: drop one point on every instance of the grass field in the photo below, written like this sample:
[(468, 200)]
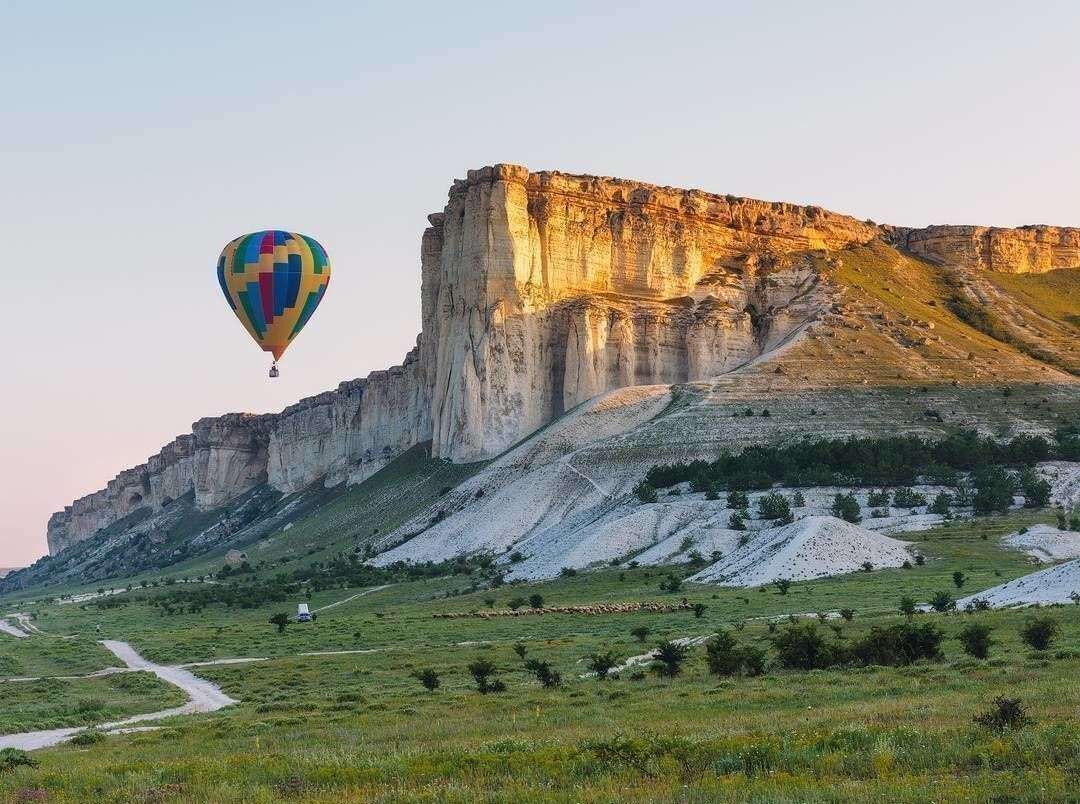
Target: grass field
[(360, 727)]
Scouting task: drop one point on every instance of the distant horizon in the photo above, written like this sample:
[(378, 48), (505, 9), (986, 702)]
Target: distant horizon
[(149, 136)]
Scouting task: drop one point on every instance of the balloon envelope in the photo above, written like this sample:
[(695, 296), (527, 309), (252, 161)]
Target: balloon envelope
[(273, 281)]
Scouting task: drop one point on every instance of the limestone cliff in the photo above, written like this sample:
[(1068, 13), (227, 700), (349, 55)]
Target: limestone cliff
[(538, 292)]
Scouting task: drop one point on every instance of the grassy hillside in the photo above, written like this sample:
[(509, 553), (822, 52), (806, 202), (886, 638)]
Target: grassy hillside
[(359, 727)]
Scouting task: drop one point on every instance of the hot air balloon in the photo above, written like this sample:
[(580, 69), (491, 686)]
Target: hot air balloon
[(273, 281)]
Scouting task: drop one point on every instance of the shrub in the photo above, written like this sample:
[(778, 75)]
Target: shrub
[(846, 507), (737, 521), (516, 557), (567, 572), (906, 497), (867, 566), (429, 678), (489, 602), (481, 670), (601, 663), (711, 492), (670, 584), (1039, 632), (699, 610), (782, 585), (942, 602), (898, 645), (12, 758), (536, 601), (878, 499), (847, 614), (87, 737), (645, 492), (798, 500), (908, 606), (640, 633), (976, 640), (774, 506), (920, 559), (977, 604), (281, 619), (669, 659), (544, 673), (958, 578), (520, 649), (942, 504), (516, 603), (726, 658), (1005, 713), (801, 647)]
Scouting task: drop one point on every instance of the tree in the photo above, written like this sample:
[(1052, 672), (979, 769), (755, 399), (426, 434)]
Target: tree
[(906, 497), (958, 578), (516, 603), (994, 488), (489, 602), (670, 584), (669, 659), (429, 678), (737, 521), (1035, 489), (846, 507), (645, 492), (737, 500), (798, 500), (481, 670), (711, 492), (699, 610), (520, 649), (774, 506), (942, 602), (281, 619), (1039, 632), (878, 499), (726, 658), (536, 601), (640, 633), (976, 640), (801, 647), (908, 607), (601, 663), (782, 585), (941, 504)]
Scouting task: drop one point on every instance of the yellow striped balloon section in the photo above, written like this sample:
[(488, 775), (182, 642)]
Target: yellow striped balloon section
[(273, 281)]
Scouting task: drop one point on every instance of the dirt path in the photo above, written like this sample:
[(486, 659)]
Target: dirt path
[(202, 697), (11, 630), (353, 597)]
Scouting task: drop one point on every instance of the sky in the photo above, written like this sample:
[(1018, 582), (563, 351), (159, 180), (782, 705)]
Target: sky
[(138, 138)]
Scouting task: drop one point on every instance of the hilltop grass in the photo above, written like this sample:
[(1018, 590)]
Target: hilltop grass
[(359, 727)]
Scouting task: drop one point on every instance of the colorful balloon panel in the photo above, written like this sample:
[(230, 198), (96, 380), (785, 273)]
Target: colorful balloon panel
[(273, 281)]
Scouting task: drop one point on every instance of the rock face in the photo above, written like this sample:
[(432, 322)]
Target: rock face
[(1028, 249), (540, 291)]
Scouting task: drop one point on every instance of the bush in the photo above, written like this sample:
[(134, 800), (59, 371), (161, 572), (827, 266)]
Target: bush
[(520, 649), (942, 504), (908, 498), (846, 507), (711, 492), (601, 663), (1006, 713), (942, 602), (908, 606), (645, 492), (920, 559), (737, 521), (958, 579), (898, 645), (1039, 632), (737, 499), (847, 614), (878, 499), (12, 758), (726, 658), (544, 673), (481, 670), (699, 610), (640, 633), (976, 640), (798, 500), (536, 601), (429, 678), (281, 619), (567, 572), (670, 584), (782, 585), (801, 647), (516, 603), (669, 659), (774, 506)]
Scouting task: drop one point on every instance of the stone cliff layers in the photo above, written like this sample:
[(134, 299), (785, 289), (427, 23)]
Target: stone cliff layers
[(539, 291)]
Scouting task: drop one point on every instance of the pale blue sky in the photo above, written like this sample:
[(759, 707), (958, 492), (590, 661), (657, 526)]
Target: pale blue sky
[(138, 138)]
